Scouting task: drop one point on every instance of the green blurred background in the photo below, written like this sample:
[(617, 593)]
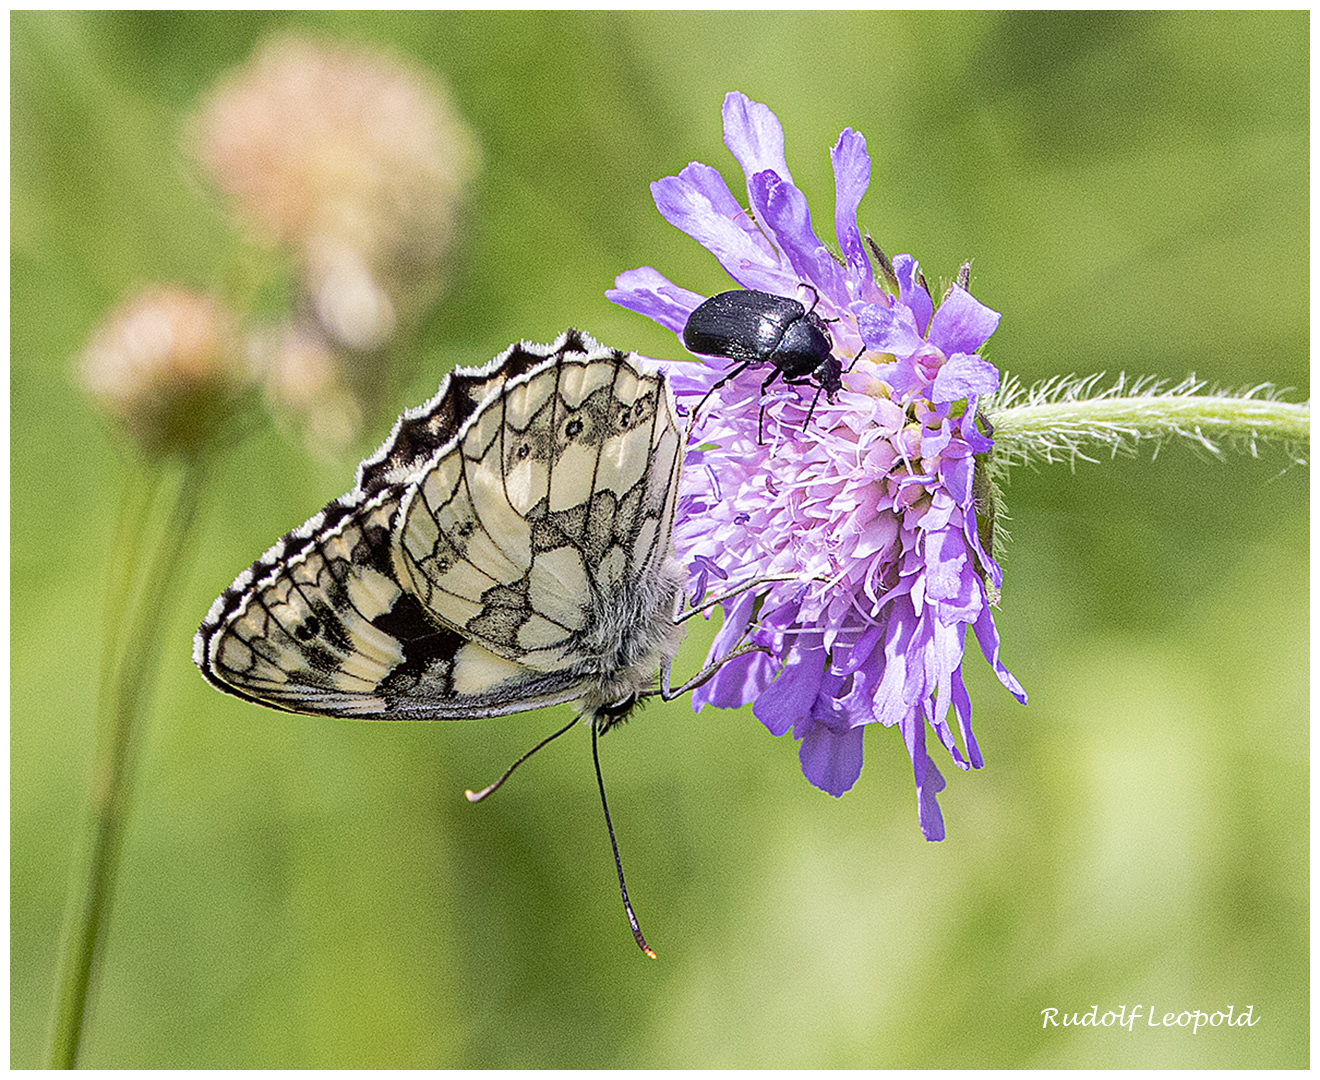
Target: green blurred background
[(303, 892)]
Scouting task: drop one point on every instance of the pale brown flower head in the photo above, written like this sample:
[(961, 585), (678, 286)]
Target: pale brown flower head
[(169, 365), (305, 377), (356, 161)]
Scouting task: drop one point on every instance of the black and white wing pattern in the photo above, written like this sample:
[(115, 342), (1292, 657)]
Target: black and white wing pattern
[(509, 546)]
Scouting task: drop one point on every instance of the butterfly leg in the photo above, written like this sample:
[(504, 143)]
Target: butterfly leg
[(490, 789), (768, 579), (669, 693)]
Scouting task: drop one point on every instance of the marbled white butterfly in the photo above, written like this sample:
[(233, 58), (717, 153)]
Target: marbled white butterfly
[(509, 546)]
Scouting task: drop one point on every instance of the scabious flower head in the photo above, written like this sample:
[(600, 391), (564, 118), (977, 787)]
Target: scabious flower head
[(169, 365), (870, 503), (354, 160)]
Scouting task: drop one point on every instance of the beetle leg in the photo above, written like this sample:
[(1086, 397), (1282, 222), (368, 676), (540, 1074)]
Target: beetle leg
[(819, 391), (760, 420), (706, 397)]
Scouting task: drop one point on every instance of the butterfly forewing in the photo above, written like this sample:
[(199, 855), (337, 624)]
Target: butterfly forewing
[(508, 547), (544, 515)]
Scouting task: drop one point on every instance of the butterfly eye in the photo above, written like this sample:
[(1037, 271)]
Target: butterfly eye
[(573, 429), (523, 451)]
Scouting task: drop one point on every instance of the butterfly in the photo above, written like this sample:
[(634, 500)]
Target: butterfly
[(509, 546)]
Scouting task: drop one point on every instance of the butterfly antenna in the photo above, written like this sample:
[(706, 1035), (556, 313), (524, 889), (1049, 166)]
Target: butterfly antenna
[(477, 796), (618, 865)]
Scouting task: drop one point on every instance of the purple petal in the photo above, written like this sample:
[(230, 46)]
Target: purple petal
[(890, 329), (898, 689), (648, 292), (690, 379), (753, 135), (862, 648), (962, 323), (962, 708), (950, 579), (784, 213), (852, 176), (740, 680), (958, 476), (934, 443), (737, 620), (709, 182), (789, 698), (929, 781), (912, 293), (697, 202), (976, 442), (737, 682), (963, 376), (987, 635), (832, 760)]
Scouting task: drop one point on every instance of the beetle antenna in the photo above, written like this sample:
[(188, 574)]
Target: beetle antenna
[(477, 796), (618, 864)]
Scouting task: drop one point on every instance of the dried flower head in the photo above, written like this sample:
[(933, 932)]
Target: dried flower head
[(169, 365), (873, 497), (305, 376), (355, 160)]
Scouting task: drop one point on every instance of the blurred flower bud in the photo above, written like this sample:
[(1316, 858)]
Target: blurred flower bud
[(353, 159), (169, 365), (305, 376)]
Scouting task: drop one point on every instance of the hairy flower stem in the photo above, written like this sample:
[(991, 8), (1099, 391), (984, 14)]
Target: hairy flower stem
[(144, 572), (1058, 430)]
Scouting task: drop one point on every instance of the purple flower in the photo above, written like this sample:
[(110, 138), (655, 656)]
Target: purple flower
[(870, 504)]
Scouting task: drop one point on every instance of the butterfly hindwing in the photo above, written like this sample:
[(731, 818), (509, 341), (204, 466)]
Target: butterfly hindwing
[(547, 512), (508, 547), (295, 630)]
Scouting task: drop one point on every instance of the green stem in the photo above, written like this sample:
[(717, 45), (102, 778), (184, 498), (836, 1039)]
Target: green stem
[(152, 569), (1059, 429)]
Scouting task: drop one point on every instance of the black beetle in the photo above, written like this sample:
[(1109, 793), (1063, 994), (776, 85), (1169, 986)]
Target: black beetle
[(758, 328)]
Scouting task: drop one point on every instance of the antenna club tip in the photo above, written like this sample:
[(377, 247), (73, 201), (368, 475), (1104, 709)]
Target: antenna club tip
[(472, 796), (650, 953)]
